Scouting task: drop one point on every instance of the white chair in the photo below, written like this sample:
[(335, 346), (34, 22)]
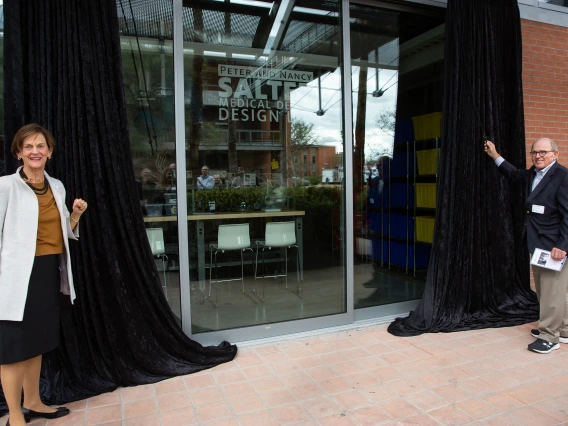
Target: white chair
[(278, 235), (230, 238), (156, 240)]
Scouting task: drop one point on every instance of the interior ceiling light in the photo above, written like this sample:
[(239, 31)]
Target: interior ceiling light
[(213, 53)]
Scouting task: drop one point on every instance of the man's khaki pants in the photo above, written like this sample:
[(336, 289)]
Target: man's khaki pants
[(551, 289)]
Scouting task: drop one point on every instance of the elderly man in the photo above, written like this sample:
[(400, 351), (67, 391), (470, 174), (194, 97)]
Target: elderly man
[(546, 227), (205, 181)]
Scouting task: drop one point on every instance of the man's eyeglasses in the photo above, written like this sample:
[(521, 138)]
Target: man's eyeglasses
[(539, 153)]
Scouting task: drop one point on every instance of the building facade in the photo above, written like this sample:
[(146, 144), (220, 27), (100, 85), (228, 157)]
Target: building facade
[(286, 152)]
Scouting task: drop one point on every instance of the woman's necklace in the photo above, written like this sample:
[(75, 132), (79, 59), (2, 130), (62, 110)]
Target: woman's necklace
[(39, 191)]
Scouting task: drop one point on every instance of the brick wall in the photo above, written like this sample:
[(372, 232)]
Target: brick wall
[(545, 84)]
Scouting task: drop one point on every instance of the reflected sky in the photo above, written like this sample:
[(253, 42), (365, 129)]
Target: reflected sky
[(304, 103)]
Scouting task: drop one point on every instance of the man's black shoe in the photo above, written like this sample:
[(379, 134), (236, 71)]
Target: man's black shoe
[(543, 346), (535, 332)]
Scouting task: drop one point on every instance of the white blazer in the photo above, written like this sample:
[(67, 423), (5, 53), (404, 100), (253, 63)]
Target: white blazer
[(19, 212)]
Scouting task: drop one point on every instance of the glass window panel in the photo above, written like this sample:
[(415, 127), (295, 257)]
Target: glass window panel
[(262, 93), (397, 66), (147, 62)]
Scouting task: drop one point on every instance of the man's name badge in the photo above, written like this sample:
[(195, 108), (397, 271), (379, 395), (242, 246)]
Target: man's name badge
[(537, 209)]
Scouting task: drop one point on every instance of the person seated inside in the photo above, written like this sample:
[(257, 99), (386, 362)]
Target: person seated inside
[(169, 178), (148, 178), (146, 187), (239, 180), (219, 183), (205, 181)]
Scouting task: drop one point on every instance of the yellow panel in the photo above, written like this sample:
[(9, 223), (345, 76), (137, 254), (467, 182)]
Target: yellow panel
[(428, 126), (426, 195), (424, 228), (426, 160)]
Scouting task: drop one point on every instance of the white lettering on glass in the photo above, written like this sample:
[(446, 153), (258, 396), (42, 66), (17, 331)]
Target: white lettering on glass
[(261, 73), (243, 89), (258, 93), (225, 87)]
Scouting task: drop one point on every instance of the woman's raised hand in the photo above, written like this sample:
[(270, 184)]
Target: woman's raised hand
[(79, 206)]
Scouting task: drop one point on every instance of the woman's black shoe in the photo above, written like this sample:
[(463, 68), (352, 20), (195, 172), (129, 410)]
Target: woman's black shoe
[(30, 414)]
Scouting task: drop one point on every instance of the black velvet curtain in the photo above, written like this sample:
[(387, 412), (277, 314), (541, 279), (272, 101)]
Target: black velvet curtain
[(63, 70), (479, 268)]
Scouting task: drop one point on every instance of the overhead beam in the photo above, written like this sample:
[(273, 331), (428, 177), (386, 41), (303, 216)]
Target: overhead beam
[(279, 26), (264, 26)]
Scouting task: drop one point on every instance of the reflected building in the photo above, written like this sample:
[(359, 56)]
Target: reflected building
[(333, 111)]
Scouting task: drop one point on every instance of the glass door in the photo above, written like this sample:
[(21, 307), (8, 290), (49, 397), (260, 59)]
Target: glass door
[(263, 113)]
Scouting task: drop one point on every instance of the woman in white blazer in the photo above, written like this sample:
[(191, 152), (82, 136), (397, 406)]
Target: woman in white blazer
[(35, 267)]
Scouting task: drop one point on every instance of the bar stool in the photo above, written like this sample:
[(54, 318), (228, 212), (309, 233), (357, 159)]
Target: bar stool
[(278, 235), (156, 240), (230, 238)]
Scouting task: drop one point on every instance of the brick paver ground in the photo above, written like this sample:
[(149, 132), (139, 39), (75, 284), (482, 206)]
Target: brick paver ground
[(363, 376)]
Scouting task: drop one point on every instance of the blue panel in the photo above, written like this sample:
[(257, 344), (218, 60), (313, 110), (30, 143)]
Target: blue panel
[(374, 222), (403, 131), (400, 166), (422, 256), (377, 252), (399, 254), (399, 224), (400, 251), (401, 195)]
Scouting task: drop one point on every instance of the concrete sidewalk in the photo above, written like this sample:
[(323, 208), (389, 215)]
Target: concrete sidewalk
[(362, 376)]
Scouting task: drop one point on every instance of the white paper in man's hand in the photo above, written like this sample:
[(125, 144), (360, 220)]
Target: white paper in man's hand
[(543, 259)]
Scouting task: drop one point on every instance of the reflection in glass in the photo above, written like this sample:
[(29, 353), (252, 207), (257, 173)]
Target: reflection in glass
[(397, 62), (147, 61), (263, 112)]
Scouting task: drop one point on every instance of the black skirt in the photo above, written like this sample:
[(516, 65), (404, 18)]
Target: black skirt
[(38, 333)]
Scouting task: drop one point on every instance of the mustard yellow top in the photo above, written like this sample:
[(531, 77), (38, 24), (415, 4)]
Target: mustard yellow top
[(49, 234)]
